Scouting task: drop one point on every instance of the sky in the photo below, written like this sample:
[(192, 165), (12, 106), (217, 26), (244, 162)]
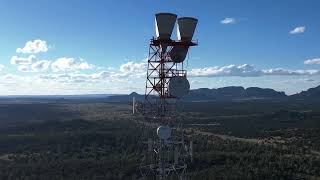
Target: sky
[(94, 47)]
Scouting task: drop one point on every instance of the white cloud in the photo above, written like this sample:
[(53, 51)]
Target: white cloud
[(35, 46), (309, 80), (34, 84), (312, 61), (287, 72), (69, 64), (298, 30), (9, 79), (246, 70), (67, 78), (230, 70), (228, 21), (24, 68), (127, 70), (130, 76), (101, 75), (22, 60), (195, 82), (1, 67), (65, 71), (40, 65), (132, 69)]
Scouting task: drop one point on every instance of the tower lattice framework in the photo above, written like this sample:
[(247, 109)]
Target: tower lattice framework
[(158, 101), (166, 82), (164, 159)]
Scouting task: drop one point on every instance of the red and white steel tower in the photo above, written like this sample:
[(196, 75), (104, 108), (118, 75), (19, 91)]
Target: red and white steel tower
[(166, 83), (166, 77)]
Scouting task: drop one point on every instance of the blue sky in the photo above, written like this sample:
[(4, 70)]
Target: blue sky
[(81, 47)]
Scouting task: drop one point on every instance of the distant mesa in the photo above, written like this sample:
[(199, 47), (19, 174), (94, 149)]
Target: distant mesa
[(263, 92), (310, 94), (125, 98), (232, 93)]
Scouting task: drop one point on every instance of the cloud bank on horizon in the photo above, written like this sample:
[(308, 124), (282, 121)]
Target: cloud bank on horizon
[(71, 74)]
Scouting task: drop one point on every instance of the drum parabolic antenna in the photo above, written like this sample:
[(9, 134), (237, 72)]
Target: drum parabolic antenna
[(178, 54), (164, 132), (179, 86)]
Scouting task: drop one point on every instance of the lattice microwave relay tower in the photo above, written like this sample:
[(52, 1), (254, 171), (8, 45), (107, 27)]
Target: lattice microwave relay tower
[(166, 83)]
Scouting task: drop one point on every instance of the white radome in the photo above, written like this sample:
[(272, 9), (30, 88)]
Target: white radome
[(179, 86), (164, 132)]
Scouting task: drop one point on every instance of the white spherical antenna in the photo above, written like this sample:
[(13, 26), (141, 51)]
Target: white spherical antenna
[(178, 54), (164, 132), (179, 86)]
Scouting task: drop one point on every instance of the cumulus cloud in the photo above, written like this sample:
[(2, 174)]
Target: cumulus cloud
[(45, 84), (246, 70), (129, 69), (312, 61), (24, 68), (70, 64), (309, 80), (67, 78), (63, 72), (228, 21), (9, 79), (133, 69), (287, 72), (22, 60), (35, 46), (40, 65), (72, 82), (1, 67), (101, 75), (196, 82), (298, 30), (230, 70)]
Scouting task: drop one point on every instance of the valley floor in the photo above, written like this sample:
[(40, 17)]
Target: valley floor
[(103, 140)]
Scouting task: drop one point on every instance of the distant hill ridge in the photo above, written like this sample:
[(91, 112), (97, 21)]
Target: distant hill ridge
[(232, 93), (312, 93)]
